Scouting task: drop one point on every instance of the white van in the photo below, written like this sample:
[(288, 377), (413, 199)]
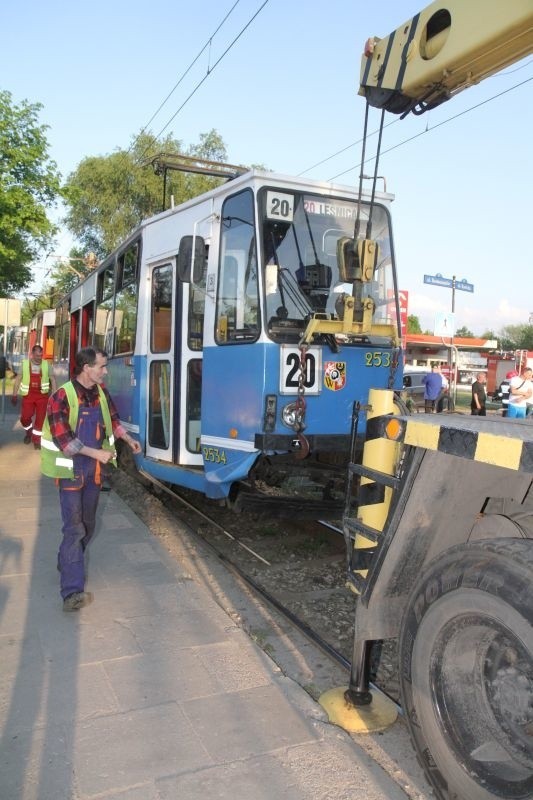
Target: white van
[(413, 390)]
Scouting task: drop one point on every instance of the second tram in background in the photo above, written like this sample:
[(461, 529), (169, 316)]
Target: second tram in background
[(42, 332), (21, 339), (241, 328)]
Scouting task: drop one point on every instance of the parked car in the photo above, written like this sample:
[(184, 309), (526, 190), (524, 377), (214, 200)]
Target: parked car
[(413, 391)]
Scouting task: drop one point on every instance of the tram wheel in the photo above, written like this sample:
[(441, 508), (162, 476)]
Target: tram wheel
[(466, 677)]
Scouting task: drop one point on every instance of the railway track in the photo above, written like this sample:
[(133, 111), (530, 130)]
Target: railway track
[(297, 567)]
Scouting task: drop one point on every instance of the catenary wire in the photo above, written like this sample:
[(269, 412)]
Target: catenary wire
[(185, 73), (208, 73), (434, 127)]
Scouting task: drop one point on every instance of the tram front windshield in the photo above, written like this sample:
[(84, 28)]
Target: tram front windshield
[(300, 232)]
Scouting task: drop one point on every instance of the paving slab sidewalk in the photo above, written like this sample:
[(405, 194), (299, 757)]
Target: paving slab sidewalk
[(151, 692)]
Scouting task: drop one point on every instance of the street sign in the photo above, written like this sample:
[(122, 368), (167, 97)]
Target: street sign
[(449, 283), (9, 311), (464, 286), (438, 280)]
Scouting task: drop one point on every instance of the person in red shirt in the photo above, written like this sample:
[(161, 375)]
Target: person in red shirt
[(34, 383)]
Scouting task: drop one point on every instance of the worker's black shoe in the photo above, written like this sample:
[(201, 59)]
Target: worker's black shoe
[(37, 445), (27, 438), (76, 601)]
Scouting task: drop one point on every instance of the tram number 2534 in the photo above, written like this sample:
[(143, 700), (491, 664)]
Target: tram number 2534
[(290, 370)]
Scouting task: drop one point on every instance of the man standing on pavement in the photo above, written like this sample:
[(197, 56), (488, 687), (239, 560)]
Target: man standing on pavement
[(520, 393), (433, 388), (79, 435), (34, 382), (479, 396)]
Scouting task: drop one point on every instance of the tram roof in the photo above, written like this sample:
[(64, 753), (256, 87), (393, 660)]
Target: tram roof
[(257, 178)]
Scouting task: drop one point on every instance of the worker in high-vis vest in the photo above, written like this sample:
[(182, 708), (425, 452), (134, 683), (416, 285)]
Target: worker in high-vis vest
[(79, 435), (33, 382)]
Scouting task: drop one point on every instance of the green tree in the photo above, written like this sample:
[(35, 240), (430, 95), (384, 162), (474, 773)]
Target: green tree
[(108, 196), (413, 324), (516, 337), (29, 187), (464, 333)]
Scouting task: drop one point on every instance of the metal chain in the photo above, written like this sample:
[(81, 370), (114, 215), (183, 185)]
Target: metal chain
[(300, 400), (394, 364)]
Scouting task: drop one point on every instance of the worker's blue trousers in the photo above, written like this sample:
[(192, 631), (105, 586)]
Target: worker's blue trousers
[(79, 501)]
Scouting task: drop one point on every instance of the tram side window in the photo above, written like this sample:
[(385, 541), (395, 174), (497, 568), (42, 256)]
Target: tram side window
[(126, 301), (237, 312), (159, 405), (61, 346), (161, 309), (197, 310), (194, 402), (103, 329)]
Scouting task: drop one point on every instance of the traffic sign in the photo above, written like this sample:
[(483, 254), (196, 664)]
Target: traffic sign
[(438, 280), (464, 286), (449, 283)]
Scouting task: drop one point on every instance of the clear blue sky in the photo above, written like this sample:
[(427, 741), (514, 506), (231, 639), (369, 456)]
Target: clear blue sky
[(285, 95)]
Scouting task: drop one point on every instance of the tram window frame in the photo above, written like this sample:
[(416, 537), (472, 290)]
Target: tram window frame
[(159, 393), (126, 291), (105, 301), (161, 336), (237, 316), (194, 405), (62, 339), (196, 309)]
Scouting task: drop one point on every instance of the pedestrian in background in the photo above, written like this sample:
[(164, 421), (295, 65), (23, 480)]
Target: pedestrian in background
[(79, 435), (34, 382), (503, 391), (520, 393), (433, 387), (478, 405)]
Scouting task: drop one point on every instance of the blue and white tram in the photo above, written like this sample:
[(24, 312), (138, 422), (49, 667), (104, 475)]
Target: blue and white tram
[(241, 329)]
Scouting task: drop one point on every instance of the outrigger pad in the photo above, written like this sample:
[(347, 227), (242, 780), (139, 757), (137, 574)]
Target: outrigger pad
[(379, 715)]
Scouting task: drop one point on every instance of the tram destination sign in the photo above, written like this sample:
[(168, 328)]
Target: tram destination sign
[(449, 283)]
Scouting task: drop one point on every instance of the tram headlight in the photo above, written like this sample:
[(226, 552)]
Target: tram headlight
[(289, 415)]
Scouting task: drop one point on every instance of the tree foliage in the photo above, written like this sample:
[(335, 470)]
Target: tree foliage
[(108, 196), (29, 187), (464, 333), (516, 337), (413, 324)]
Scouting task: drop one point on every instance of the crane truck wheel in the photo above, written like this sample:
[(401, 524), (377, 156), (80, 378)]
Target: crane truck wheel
[(466, 670)]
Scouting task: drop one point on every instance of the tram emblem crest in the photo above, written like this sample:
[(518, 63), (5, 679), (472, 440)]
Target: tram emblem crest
[(335, 375)]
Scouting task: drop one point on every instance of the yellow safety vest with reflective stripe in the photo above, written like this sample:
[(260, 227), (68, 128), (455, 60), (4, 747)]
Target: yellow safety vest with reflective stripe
[(54, 462), (26, 377)]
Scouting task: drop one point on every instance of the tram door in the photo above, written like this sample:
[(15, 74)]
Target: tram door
[(174, 380), (160, 362)]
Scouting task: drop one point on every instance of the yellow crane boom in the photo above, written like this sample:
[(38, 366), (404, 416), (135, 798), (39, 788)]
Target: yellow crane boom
[(444, 49)]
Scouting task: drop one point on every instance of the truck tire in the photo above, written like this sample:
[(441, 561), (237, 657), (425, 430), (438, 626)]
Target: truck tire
[(466, 670)]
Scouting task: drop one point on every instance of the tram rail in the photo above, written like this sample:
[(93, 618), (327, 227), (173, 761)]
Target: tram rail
[(326, 647)]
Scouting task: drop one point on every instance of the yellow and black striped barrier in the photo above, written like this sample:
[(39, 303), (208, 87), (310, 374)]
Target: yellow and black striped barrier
[(496, 441)]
